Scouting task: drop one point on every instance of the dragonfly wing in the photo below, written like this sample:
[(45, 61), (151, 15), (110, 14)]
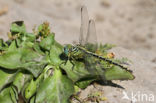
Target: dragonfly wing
[(84, 25), (91, 39), (91, 34)]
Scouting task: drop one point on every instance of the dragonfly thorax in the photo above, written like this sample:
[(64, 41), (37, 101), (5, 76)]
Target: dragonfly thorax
[(69, 49)]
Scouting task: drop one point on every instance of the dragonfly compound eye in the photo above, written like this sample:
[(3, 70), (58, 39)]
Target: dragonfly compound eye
[(66, 50)]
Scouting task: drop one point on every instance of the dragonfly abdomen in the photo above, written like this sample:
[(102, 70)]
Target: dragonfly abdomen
[(102, 58)]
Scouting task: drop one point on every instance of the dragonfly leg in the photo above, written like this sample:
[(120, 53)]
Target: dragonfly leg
[(65, 62)]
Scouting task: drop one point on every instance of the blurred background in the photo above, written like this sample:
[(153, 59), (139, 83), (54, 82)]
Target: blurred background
[(127, 23)]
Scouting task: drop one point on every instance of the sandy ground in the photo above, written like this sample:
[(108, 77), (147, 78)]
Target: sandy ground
[(130, 24)]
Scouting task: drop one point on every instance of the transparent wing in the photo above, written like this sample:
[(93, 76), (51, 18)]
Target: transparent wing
[(84, 25), (91, 34)]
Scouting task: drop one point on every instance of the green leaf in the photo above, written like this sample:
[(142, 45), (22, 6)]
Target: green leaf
[(35, 67), (75, 70), (18, 42), (30, 37), (47, 42), (10, 60), (6, 77), (106, 71), (32, 86), (31, 89), (20, 80), (117, 73), (18, 27), (5, 96), (85, 82), (13, 94), (78, 73), (55, 89), (1, 43), (23, 58), (12, 46), (55, 53), (32, 100), (37, 48)]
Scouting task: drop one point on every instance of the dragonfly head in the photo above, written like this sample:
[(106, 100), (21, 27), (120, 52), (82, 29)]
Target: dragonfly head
[(67, 49)]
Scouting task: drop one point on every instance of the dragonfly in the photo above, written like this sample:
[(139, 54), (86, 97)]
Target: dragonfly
[(87, 37)]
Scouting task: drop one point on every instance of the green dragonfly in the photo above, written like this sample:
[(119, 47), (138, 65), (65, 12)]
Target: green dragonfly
[(87, 42)]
